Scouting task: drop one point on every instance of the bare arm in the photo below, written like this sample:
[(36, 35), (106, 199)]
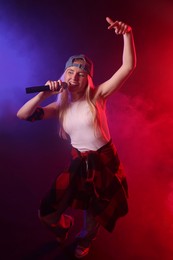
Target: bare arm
[(128, 60), (30, 106)]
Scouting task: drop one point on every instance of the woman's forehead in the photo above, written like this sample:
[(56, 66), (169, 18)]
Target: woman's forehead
[(76, 68)]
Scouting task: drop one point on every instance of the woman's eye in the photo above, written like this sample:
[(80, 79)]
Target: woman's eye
[(81, 74)]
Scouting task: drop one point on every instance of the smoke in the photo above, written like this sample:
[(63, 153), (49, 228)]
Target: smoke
[(144, 140), (135, 124), (27, 56)]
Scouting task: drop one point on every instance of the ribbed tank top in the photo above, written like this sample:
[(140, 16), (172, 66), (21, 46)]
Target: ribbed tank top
[(78, 124)]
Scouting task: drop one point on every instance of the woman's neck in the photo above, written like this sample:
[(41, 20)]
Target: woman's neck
[(76, 96)]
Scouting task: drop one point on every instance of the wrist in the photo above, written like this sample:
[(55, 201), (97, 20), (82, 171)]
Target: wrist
[(129, 29), (42, 96)]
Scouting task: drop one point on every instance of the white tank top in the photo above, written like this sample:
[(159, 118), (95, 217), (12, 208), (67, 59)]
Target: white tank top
[(78, 124)]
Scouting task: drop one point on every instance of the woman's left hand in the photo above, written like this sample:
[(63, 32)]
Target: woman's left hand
[(119, 27)]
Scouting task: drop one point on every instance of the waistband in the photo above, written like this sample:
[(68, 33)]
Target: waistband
[(76, 153)]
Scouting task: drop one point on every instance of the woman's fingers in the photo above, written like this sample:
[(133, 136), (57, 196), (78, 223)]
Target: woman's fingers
[(109, 20), (54, 85), (118, 26)]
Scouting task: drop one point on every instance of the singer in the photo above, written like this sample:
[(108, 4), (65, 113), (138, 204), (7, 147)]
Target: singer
[(95, 181)]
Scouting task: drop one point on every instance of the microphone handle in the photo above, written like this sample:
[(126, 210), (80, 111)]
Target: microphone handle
[(37, 89), (44, 88)]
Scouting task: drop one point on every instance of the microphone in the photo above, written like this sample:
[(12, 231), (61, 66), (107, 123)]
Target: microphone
[(35, 89)]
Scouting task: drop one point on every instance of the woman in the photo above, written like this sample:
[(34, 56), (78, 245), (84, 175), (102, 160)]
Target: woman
[(95, 181)]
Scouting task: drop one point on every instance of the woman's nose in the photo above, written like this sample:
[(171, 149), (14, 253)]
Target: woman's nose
[(74, 76)]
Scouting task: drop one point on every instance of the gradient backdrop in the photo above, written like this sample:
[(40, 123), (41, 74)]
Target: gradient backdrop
[(36, 39)]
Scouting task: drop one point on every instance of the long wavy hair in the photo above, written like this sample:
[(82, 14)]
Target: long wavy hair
[(63, 101)]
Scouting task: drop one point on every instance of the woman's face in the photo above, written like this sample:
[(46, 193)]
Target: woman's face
[(77, 80)]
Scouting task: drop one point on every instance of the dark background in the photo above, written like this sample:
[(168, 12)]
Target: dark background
[(36, 39)]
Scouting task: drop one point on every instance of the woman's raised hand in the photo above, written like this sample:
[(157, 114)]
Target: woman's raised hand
[(119, 27)]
